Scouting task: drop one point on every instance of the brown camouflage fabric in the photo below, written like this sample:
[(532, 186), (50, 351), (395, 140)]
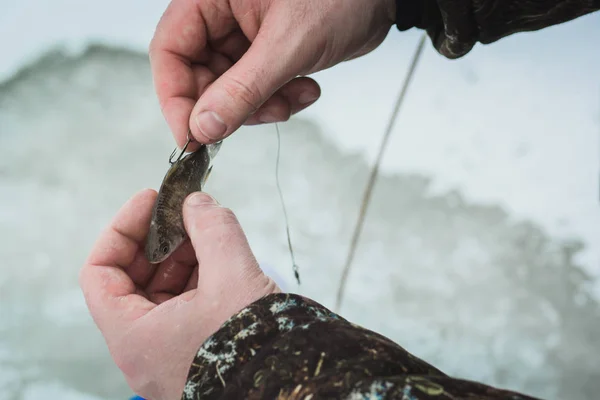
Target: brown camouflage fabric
[(455, 26), (285, 346)]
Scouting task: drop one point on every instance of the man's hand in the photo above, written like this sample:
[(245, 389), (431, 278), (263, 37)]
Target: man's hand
[(218, 64), (154, 318)]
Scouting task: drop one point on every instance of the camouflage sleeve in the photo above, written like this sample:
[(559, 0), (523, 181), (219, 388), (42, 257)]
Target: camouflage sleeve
[(454, 26), (285, 346)]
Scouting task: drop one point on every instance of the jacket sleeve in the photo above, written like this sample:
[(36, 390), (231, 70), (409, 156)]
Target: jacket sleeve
[(285, 346), (454, 26)]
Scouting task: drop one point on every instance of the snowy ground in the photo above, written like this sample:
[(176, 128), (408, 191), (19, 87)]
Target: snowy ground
[(480, 235)]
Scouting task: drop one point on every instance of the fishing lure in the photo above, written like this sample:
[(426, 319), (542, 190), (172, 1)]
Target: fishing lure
[(185, 176)]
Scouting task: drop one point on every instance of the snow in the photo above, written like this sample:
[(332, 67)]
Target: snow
[(465, 271)]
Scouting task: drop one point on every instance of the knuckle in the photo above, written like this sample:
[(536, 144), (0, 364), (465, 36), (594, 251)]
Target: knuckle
[(216, 217), (221, 216), (248, 94), (204, 77), (217, 7)]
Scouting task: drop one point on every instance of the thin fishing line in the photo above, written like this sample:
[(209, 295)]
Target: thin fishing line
[(287, 223), (375, 171)]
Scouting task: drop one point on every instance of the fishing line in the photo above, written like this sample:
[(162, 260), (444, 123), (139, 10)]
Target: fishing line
[(375, 171), (287, 223)]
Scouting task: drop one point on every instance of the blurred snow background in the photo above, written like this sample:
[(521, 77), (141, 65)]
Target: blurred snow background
[(481, 251)]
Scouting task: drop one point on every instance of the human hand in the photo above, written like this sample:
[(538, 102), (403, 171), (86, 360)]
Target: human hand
[(218, 64), (154, 319)]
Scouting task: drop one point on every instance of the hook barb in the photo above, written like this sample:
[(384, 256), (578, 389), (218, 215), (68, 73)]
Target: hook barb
[(189, 140)]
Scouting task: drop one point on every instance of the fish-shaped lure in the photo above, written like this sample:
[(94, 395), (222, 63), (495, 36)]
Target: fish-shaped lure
[(185, 176)]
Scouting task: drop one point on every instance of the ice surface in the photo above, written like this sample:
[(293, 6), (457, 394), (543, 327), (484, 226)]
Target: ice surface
[(477, 247), (467, 286)]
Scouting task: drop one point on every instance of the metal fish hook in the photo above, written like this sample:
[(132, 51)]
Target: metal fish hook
[(189, 140)]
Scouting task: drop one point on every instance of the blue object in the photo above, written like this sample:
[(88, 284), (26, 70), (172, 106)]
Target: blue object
[(136, 398)]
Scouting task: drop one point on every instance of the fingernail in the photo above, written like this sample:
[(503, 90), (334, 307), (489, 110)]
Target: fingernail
[(267, 118), (307, 97), (211, 125), (200, 199)]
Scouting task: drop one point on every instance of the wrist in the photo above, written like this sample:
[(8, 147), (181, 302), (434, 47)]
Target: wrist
[(242, 294)]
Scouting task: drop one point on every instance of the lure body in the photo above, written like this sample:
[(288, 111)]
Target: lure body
[(185, 176)]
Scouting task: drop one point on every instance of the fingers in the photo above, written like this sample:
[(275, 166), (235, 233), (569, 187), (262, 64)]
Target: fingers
[(292, 98), (173, 275), (103, 278), (118, 244), (227, 268), (140, 271), (185, 67), (193, 281), (216, 235), (181, 31), (234, 45), (179, 40), (301, 93), (242, 89), (275, 109)]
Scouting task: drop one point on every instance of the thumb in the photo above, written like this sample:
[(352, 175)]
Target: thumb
[(226, 266), (242, 89)]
